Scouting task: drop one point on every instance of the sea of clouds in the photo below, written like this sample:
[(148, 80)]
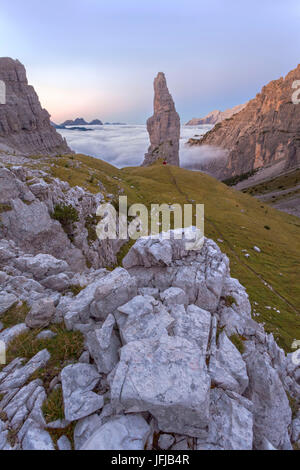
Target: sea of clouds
[(126, 145)]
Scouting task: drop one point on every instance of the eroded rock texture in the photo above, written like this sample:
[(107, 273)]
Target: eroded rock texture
[(265, 132), (163, 126), (24, 126)]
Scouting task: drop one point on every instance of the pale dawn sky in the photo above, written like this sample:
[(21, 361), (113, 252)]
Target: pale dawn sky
[(97, 58)]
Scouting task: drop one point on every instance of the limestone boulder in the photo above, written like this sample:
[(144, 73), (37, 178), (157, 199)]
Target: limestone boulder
[(168, 378)]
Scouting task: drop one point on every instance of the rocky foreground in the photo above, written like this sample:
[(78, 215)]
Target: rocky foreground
[(171, 357)]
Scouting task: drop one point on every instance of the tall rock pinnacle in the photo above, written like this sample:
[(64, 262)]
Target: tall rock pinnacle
[(24, 126), (163, 126)]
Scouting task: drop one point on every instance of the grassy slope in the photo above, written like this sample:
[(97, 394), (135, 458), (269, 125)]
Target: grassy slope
[(237, 218), (290, 182)]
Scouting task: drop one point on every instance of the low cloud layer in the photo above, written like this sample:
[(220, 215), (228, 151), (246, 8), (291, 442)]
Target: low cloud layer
[(204, 157), (126, 145)]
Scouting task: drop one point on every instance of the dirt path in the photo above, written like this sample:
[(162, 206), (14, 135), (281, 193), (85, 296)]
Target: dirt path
[(231, 248)]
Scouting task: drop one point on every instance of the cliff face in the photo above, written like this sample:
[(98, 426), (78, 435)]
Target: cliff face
[(216, 116), (163, 126), (266, 131), (24, 125)]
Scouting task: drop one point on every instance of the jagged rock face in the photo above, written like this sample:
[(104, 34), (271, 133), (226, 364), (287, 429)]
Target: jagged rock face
[(266, 131), (216, 116), (24, 126), (163, 126)]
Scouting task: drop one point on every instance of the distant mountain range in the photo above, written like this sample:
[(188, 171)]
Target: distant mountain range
[(83, 122), (216, 116)]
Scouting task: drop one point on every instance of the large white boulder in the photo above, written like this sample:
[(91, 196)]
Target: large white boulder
[(166, 377)]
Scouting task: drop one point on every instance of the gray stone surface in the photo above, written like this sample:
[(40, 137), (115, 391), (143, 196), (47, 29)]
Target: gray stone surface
[(114, 290), (272, 413), (63, 443), (20, 374), (128, 432), (103, 345), (47, 334), (78, 382), (227, 368), (37, 438), (6, 301), (193, 324), (41, 313), (166, 377), (85, 428), (11, 333), (231, 424), (173, 296), (143, 317), (165, 441)]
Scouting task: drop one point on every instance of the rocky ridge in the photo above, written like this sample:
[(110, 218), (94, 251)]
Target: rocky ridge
[(265, 132), (24, 126), (172, 357), (163, 127), (214, 117), (81, 122), (29, 199)]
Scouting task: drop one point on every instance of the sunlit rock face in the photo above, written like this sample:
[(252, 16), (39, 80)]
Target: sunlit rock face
[(163, 126), (265, 132)]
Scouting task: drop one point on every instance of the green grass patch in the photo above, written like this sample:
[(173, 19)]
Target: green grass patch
[(91, 223), (238, 342), (75, 289), (123, 251), (64, 347), (238, 178), (67, 215), (286, 181), (53, 406), (15, 315), (5, 208), (68, 432), (53, 410), (229, 301)]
